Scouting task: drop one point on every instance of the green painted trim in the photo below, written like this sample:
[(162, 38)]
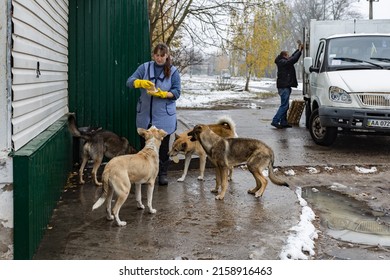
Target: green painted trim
[(41, 169)]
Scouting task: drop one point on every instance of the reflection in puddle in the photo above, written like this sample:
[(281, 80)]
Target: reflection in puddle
[(348, 219)]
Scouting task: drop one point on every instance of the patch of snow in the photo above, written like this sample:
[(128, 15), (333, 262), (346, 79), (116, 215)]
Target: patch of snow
[(328, 168), (363, 170), (290, 172), (312, 170), (338, 186), (202, 91), (300, 243)]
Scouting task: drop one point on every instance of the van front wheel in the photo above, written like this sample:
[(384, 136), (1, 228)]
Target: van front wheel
[(324, 136)]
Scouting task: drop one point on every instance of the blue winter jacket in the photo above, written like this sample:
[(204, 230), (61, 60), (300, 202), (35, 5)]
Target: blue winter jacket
[(160, 112)]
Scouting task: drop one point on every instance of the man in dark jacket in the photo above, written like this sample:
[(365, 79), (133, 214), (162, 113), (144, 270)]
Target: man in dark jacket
[(287, 79)]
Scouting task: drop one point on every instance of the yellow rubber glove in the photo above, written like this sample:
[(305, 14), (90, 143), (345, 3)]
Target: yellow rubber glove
[(158, 93), (143, 84)]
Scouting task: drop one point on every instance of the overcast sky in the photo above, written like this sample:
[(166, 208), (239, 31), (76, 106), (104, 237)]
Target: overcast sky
[(380, 9)]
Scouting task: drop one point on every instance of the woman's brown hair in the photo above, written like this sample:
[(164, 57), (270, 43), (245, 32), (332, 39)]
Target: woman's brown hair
[(163, 49)]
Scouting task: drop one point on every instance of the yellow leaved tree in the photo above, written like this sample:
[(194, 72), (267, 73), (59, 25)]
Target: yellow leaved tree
[(256, 37)]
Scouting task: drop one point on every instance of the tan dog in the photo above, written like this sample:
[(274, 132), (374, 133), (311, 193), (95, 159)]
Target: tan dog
[(225, 127), (99, 143), (225, 153), (122, 171)]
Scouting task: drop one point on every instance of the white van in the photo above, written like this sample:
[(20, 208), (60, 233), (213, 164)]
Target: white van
[(347, 87)]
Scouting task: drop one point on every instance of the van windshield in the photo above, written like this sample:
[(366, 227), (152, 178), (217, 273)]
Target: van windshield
[(367, 52)]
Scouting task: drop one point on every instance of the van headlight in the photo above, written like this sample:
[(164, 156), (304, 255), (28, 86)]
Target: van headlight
[(337, 94)]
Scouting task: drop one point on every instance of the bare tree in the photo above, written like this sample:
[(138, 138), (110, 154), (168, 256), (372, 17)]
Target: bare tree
[(186, 57), (341, 9), (192, 24), (166, 18), (302, 11)]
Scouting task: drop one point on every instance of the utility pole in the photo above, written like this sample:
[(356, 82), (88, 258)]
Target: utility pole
[(370, 14), (324, 9)]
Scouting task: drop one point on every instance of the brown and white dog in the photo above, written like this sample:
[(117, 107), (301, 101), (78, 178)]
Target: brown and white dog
[(98, 143), (225, 127), (226, 153), (122, 171)]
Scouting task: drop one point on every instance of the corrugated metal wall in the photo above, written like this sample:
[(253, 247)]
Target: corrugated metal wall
[(39, 70), (107, 42)]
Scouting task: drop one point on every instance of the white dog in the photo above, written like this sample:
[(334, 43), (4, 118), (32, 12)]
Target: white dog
[(141, 168)]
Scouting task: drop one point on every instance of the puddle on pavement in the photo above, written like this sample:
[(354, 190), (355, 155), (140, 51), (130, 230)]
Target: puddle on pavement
[(347, 219)]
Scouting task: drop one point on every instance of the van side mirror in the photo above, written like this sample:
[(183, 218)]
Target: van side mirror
[(307, 64)]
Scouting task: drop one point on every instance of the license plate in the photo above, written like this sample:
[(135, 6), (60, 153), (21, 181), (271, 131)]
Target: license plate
[(378, 123)]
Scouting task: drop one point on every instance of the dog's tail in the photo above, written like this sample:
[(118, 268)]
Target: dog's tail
[(100, 201), (74, 130), (272, 176), (73, 126), (226, 120), (103, 196)]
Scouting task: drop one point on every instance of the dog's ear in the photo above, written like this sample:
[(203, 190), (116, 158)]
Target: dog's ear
[(176, 136), (197, 129), (195, 132), (162, 133), (192, 136), (141, 132)]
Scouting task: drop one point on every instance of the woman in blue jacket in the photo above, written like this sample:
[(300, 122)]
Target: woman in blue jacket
[(160, 85)]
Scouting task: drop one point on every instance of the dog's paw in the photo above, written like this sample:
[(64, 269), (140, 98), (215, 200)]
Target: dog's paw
[(181, 179), (110, 217), (98, 183), (214, 191), (152, 211), (140, 205), (251, 192), (82, 182), (219, 197), (121, 223), (258, 194), (200, 178)]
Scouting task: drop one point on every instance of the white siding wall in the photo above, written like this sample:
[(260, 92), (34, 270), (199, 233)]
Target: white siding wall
[(40, 36)]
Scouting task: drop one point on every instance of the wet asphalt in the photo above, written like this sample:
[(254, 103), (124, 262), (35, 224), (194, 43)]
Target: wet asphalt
[(190, 223)]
